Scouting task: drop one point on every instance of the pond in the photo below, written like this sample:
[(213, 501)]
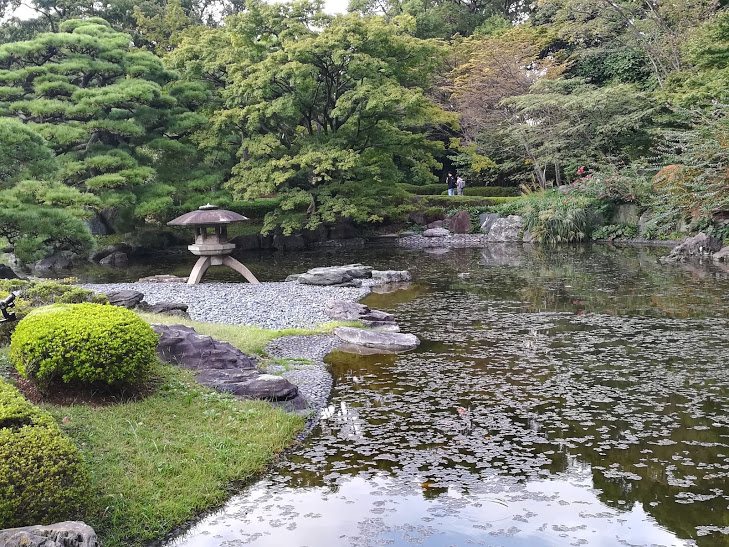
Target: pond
[(571, 396)]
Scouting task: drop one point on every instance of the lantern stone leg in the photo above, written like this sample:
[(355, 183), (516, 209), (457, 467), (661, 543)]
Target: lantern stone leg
[(240, 268), (213, 248), (204, 262), (198, 271)]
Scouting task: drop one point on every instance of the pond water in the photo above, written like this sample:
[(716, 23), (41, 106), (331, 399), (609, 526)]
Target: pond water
[(575, 396)]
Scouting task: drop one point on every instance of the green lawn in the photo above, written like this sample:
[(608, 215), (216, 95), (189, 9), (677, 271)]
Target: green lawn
[(157, 462)]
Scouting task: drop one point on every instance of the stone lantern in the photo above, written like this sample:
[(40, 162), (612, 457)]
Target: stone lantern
[(212, 247)]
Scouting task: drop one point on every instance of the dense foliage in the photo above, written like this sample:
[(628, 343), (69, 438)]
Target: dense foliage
[(132, 114), (42, 476), (83, 343)]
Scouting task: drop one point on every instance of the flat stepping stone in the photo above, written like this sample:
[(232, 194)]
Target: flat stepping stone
[(388, 341)]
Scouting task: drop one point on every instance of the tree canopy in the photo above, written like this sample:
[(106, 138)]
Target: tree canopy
[(135, 112)]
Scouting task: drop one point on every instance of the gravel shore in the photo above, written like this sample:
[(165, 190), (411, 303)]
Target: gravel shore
[(454, 241), (267, 305)]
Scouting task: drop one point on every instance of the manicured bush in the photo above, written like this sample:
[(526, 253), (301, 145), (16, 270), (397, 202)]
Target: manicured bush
[(434, 213), (450, 202), (42, 476), (492, 191), (423, 189), (35, 294), (86, 343), (17, 412), (256, 208)]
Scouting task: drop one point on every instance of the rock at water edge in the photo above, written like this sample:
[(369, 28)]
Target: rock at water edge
[(506, 229), (487, 220), (436, 232), (61, 534), (722, 255), (698, 245), (461, 223), (390, 341), (391, 276), (7, 272)]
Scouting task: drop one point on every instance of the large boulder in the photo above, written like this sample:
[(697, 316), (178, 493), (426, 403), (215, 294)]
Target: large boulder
[(461, 223), (126, 299), (343, 276), (97, 226), (62, 534), (436, 232), (115, 259), (695, 246), (293, 242), (343, 230), (487, 220), (506, 229), (221, 366), (722, 255), (417, 217), (435, 224), (54, 263), (391, 276), (377, 340), (97, 256), (175, 309), (351, 311), (626, 213), (247, 242), (6, 272)]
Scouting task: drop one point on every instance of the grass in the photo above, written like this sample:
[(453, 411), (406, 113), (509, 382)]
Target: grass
[(245, 338), (158, 462)]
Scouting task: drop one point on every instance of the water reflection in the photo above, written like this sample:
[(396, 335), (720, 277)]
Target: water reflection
[(571, 396)]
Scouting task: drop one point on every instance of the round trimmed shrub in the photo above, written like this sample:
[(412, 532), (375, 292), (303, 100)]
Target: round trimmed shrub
[(84, 343), (34, 294), (42, 476)]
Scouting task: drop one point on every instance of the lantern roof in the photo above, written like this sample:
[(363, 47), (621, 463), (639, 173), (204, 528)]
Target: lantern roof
[(207, 215)]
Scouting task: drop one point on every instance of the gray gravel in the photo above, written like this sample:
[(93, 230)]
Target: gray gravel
[(268, 305), (313, 378), (455, 241)]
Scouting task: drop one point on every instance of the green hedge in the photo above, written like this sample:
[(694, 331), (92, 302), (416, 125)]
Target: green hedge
[(34, 294), (424, 189), (450, 202), (42, 476), (85, 343), (491, 191), (255, 209), (440, 189)]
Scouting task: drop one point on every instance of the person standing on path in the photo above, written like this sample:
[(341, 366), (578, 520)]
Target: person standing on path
[(460, 185), (451, 182)]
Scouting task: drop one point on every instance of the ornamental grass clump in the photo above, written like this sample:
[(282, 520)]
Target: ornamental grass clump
[(42, 476), (84, 344)]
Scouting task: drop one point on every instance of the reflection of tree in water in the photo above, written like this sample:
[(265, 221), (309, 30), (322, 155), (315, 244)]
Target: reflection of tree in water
[(641, 399)]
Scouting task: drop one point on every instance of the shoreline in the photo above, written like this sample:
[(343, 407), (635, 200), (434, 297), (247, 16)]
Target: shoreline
[(269, 305)]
